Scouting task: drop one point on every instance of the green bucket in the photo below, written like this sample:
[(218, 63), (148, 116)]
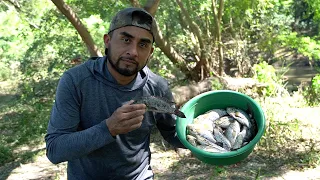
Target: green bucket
[(220, 99)]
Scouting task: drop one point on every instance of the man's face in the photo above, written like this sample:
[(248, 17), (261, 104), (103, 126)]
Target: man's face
[(129, 49)]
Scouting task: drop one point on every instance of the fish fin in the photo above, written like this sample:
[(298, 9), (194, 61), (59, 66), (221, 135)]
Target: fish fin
[(164, 99), (179, 113)]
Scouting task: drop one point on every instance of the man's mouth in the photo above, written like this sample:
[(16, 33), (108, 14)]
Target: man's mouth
[(129, 60)]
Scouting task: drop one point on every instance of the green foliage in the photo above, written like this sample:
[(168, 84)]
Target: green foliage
[(216, 84), (307, 46), (312, 92), (5, 72), (5, 154), (23, 123), (265, 73)]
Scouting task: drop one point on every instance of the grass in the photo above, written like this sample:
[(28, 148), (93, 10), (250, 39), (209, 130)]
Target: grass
[(23, 122)]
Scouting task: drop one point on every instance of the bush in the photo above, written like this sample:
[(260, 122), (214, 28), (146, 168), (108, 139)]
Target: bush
[(266, 74), (5, 72), (312, 92), (5, 154)]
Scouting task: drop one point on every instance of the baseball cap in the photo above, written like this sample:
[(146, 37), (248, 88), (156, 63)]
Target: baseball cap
[(134, 17)]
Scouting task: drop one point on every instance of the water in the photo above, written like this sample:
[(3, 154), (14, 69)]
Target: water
[(298, 74)]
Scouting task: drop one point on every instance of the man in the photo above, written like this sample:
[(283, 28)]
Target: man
[(94, 124)]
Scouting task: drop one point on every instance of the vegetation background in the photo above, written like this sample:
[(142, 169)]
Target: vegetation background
[(197, 40)]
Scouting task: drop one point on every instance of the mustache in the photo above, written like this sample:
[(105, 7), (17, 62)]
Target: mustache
[(129, 58)]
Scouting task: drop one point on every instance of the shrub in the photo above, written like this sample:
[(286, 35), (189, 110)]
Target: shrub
[(266, 74), (312, 92)]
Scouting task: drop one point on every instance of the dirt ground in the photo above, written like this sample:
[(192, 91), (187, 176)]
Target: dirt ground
[(168, 165)]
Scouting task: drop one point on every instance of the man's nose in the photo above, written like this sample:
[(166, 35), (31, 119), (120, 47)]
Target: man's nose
[(133, 50)]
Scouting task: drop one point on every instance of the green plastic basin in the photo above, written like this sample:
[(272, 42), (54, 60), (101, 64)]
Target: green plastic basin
[(220, 99)]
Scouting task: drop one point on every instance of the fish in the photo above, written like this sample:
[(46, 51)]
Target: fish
[(222, 130), (203, 142), (224, 122), (222, 139), (232, 132), (214, 148), (211, 115), (192, 140), (240, 138), (241, 116), (159, 104), (196, 130)]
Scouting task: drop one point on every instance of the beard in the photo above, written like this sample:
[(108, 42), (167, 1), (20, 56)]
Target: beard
[(116, 65)]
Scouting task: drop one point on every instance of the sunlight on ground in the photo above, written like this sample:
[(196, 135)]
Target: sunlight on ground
[(41, 168)]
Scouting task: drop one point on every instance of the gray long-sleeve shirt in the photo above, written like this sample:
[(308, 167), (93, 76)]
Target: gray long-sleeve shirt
[(86, 96)]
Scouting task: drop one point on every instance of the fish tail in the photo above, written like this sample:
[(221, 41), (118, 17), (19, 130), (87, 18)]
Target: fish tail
[(179, 113)]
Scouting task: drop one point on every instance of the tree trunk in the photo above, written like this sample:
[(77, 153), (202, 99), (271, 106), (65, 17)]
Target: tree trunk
[(217, 32), (182, 94), (152, 6), (135, 3), (82, 30)]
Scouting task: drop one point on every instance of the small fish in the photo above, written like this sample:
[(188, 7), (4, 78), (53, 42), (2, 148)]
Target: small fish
[(160, 105), (240, 138), (211, 115), (224, 121), (192, 140), (232, 132), (196, 130), (241, 116), (212, 149), (221, 138), (206, 143), (204, 124)]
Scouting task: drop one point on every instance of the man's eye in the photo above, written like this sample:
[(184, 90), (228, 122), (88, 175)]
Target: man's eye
[(142, 44), (126, 40)]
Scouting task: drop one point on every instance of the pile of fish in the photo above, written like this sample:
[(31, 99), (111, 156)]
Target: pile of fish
[(222, 130)]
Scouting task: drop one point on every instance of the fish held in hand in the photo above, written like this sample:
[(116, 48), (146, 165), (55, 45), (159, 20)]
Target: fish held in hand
[(160, 105)]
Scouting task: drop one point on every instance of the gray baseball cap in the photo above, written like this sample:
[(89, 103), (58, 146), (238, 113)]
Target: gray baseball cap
[(134, 17)]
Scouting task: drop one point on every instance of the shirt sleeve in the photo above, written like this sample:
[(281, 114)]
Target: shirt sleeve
[(63, 140)]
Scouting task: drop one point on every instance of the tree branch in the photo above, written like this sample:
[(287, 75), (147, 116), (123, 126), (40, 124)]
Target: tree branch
[(152, 6), (193, 27), (76, 22), (135, 3)]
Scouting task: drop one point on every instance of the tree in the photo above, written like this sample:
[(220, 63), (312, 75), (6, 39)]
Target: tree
[(76, 22)]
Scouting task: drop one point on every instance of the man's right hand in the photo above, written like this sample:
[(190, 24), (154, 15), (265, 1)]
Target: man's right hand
[(126, 118)]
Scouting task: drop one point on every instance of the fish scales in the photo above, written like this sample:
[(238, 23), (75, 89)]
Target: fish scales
[(221, 138), (232, 132), (241, 116), (240, 138), (196, 130), (204, 142), (224, 122), (211, 115), (192, 140), (160, 105)]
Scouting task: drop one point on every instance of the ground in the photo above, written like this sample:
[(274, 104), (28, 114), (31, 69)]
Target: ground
[(167, 164)]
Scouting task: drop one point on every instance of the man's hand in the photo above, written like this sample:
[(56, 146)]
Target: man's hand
[(126, 118)]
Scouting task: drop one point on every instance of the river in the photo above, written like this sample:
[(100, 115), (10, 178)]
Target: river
[(295, 75)]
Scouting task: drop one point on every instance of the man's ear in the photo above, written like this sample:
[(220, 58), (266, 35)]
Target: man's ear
[(106, 39), (151, 51)]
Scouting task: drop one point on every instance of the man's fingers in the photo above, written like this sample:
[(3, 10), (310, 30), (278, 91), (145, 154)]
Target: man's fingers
[(132, 107)]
